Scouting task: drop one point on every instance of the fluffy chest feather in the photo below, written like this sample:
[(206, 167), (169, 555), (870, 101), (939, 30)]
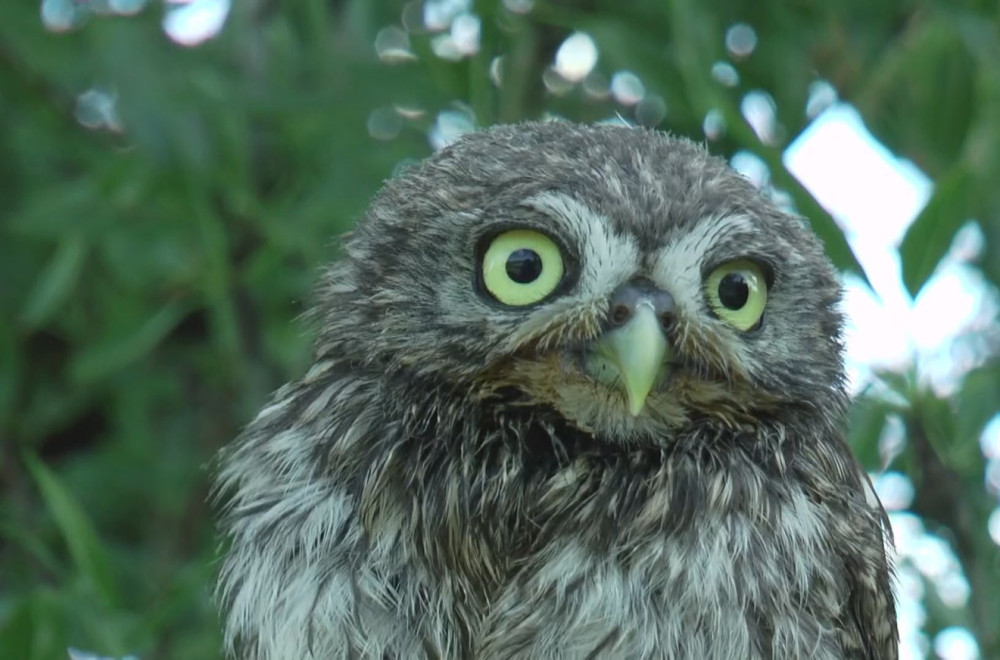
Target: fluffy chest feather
[(684, 560), (426, 550), (623, 575), (727, 587)]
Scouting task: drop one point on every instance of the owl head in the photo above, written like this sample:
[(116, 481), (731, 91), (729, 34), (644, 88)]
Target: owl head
[(624, 280)]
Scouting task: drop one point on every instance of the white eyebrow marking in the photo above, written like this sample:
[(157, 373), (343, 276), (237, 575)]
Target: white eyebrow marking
[(606, 259), (678, 269), (677, 266)]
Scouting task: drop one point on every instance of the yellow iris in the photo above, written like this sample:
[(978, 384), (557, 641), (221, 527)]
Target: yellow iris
[(521, 267), (737, 293)]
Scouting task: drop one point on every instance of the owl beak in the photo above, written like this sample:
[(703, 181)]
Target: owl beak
[(637, 351)]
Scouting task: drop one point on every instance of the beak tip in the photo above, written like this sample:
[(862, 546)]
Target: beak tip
[(635, 406), (637, 349)]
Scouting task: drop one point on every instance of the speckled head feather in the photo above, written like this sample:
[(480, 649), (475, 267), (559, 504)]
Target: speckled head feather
[(455, 478)]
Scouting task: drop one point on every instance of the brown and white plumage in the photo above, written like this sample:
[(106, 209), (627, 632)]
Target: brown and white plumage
[(454, 477)]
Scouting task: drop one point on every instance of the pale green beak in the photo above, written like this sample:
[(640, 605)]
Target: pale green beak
[(633, 355)]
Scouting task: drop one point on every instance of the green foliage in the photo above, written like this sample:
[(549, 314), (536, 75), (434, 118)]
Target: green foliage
[(152, 271)]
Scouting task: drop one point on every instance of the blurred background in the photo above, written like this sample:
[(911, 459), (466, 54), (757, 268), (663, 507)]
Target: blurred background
[(173, 174)]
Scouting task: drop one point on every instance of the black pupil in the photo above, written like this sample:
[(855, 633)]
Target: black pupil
[(734, 291), (524, 266)]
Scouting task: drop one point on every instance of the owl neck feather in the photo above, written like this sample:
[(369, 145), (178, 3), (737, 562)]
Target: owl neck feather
[(510, 476)]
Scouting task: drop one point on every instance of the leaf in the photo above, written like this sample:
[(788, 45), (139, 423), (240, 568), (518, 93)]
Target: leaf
[(53, 213), (100, 361), (919, 96), (15, 631), (977, 402), (11, 373), (56, 283), (866, 421), (76, 528), (991, 263), (32, 545), (929, 237)]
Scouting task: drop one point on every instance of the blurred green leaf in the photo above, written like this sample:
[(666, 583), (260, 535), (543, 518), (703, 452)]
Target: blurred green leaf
[(927, 67), (15, 631), (113, 354), (31, 543), (977, 402), (33, 630), (56, 282), (10, 377), (867, 419), (929, 237), (57, 212), (77, 531)]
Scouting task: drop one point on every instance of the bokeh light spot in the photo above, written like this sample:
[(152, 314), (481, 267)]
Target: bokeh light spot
[(126, 7), (63, 15), (627, 88), (726, 74), (992, 476), (195, 22), (392, 44), (438, 14), (465, 31), (555, 83), (892, 439), (596, 85), (519, 6), (993, 525), (384, 123), (760, 111), (412, 17), (461, 41), (651, 110), (445, 47), (576, 57), (741, 39), (411, 112), (894, 489), (451, 125), (822, 95), (932, 556), (989, 439), (948, 290), (714, 124), (752, 167), (496, 71), (956, 643), (96, 109), (953, 589)]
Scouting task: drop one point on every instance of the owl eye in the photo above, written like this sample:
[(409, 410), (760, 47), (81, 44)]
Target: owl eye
[(521, 267), (737, 292)]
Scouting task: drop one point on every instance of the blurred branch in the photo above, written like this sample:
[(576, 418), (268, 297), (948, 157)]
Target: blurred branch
[(944, 497), (521, 71)]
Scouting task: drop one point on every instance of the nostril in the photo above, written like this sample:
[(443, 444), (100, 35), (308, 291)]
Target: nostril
[(620, 314)]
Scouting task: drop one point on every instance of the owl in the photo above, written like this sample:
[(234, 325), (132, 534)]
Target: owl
[(577, 392)]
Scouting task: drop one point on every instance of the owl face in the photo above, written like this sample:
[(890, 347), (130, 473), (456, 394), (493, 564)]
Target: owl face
[(623, 279)]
